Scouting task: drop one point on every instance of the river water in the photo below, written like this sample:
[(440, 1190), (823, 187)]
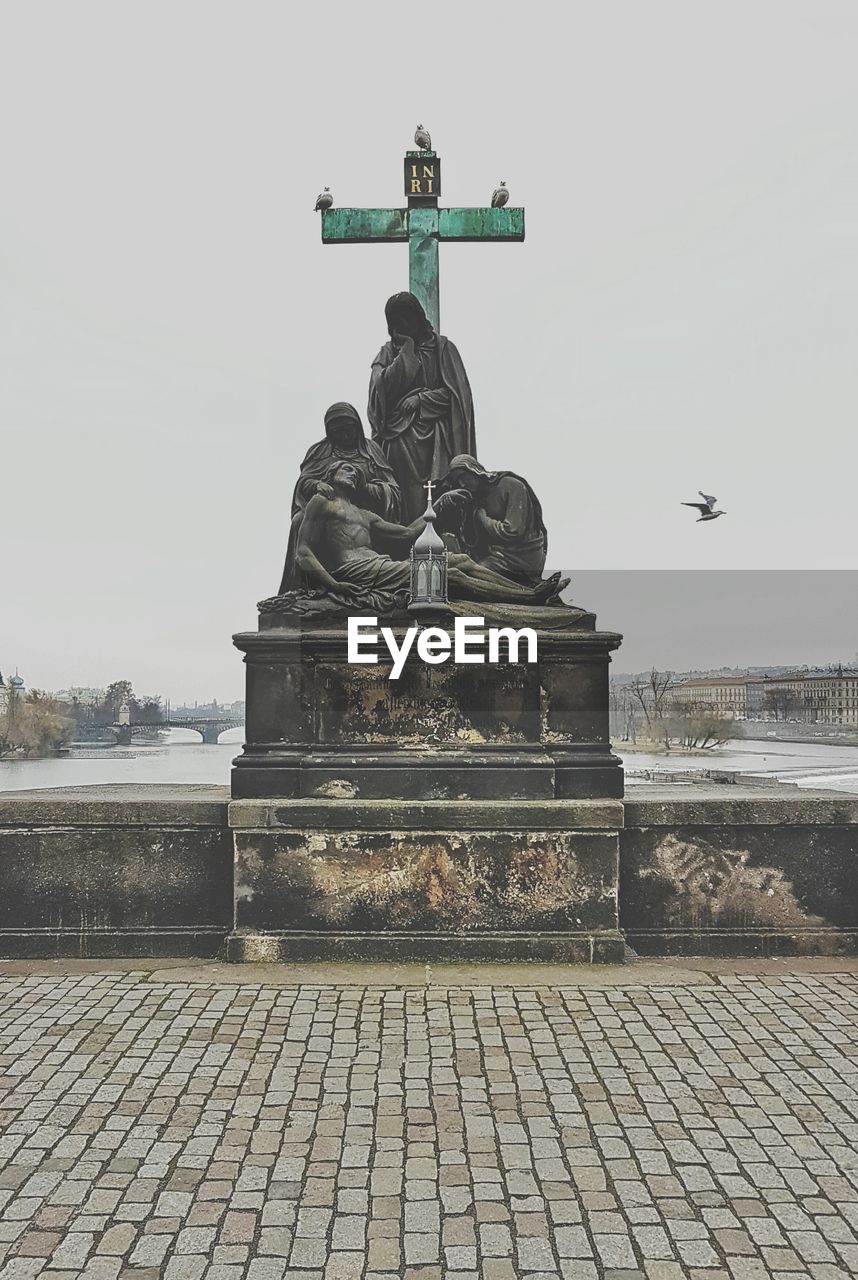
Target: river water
[(183, 758)]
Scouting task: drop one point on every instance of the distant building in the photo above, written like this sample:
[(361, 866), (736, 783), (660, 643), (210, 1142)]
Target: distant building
[(810, 697), (725, 695), (754, 690), (814, 697), (8, 686), (213, 710), (85, 695)]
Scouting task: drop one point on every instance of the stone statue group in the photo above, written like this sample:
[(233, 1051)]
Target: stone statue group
[(358, 503)]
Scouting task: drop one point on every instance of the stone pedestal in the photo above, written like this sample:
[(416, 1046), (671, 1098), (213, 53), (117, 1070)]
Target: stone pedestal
[(426, 880), (453, 731), (459, 812)]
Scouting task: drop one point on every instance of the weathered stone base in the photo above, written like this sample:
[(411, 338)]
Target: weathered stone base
[(726, 872), (115, 871), (525, 772), (604, 947), (501, 730), (113, 944), (408, 880), (744, 942)]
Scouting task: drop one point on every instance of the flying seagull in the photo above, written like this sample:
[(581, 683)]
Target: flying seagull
[(705, 507), (324, 201), (421, 137), (500, 196)]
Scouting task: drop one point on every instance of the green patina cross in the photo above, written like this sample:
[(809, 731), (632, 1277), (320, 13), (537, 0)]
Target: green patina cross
[(424, 226)]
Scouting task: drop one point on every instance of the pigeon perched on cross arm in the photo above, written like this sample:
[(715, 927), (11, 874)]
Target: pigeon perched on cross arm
[(422, 139), (500, 196), (324, 201), (705, 507)]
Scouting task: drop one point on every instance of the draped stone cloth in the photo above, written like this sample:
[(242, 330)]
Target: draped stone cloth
[(423, 418), (502, 527), (380, 492)]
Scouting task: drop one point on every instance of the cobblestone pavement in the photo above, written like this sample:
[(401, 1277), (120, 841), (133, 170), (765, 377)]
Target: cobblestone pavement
[(153, 1126)]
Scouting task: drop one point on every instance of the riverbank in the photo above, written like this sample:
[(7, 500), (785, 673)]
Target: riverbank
[(747, 731), (765, 731), (656, 747)]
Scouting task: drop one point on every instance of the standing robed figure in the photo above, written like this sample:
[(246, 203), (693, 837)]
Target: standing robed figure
[(420, 404)]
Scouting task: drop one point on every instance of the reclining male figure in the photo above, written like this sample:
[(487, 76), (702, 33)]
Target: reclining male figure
[(335, 551)]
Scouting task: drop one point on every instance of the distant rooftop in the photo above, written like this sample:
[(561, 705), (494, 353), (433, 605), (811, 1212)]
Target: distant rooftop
[(839, 673), (708, 681)]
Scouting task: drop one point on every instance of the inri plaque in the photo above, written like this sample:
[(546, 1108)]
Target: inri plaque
[(422, 176)]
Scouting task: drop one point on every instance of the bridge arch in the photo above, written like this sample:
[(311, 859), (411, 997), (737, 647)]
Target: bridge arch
[(226, 729), (195, 728), (210, 730)]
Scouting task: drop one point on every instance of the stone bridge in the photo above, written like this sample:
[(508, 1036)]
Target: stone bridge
[(209, 729)]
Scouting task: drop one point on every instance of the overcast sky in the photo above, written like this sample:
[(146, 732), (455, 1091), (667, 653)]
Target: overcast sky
[(682, 314)]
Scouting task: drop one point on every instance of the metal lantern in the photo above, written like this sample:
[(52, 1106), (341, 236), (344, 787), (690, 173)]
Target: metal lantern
[(428, 568)]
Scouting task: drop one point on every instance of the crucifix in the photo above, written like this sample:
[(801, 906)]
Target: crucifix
[(423, 225)]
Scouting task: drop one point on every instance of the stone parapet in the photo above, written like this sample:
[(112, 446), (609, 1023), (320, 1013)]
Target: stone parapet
[(721, 870), (717, 804), (699, 869), (115, 871)]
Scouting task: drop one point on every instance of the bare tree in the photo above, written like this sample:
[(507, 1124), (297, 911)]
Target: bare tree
[(652, 694), (623, 721), (782, 703)]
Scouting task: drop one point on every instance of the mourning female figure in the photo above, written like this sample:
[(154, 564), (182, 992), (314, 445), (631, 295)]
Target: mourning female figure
[(497, 518), (344, 441), (420, 405)]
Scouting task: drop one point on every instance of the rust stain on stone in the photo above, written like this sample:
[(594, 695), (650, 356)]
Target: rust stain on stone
[(450, 881), (714, 886), (428, 707)]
